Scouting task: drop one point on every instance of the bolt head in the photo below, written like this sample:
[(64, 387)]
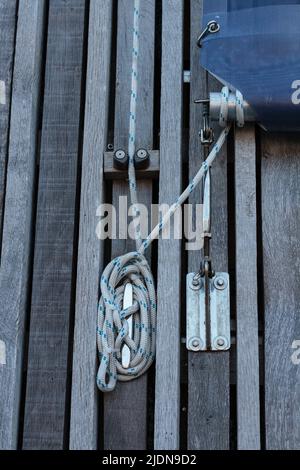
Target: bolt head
[(220, 283), (196, 284)]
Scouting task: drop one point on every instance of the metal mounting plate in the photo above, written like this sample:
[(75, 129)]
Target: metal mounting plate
[(218, 337)]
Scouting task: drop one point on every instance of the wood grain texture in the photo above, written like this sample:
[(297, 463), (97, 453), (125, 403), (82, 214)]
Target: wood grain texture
[(45, 423), (125, 410), (8, 21), (15, 259), (248, 405), (281, 258), (208, 376), (167, 392), (84, 410)]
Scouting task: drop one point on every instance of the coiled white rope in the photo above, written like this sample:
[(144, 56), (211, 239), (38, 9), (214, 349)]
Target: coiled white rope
[(112, 329)]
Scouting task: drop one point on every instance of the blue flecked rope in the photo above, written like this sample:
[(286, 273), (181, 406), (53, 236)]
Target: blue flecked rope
[(112, 329)]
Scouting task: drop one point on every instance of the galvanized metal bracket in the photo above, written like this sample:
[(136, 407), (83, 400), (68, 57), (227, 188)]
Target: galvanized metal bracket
[(208, 316)]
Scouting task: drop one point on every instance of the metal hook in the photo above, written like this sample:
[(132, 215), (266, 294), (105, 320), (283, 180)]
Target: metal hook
[(212, 27), (206, 133)]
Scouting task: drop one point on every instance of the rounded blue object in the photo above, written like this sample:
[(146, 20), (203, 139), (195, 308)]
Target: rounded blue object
[(257, 51)]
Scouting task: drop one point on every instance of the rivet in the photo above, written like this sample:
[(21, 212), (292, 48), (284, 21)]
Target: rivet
[(221, 343), (195, 344)]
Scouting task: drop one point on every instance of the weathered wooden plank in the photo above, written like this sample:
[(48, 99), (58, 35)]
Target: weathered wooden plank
[(45, 425), (84, 410), (8, 21), (15, 259), (248, 406), (208, 383), (167, 392), (281, 258), (125, 410)]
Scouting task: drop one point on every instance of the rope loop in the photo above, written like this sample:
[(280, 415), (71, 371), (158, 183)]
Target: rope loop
[(224, 109), (112, 331)]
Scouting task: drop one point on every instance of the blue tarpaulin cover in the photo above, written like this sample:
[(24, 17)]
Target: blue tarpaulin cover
[(257, 51)]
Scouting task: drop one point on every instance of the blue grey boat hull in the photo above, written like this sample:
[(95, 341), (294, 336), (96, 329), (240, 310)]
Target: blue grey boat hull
[(257, 51)]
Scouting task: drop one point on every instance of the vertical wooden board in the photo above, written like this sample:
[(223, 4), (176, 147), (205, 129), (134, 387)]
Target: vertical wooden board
[(167, 392), (46, 389), (208, 405), (15, 260), (8, 21), (84, 410), (248, 405), (125, 410), (281, 258)]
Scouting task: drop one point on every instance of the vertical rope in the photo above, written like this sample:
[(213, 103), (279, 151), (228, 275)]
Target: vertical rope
[(132, 123)]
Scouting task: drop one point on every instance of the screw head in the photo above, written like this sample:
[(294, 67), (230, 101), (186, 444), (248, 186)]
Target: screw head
[(120, 155), (221, 343), (195, 344)]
